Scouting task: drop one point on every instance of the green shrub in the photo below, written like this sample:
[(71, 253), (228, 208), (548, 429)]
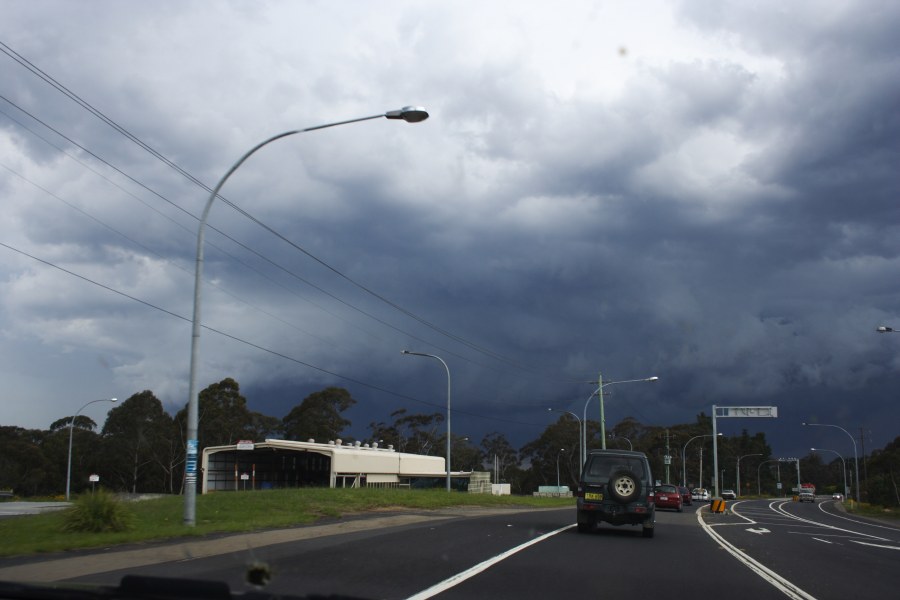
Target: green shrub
[(97, 512)]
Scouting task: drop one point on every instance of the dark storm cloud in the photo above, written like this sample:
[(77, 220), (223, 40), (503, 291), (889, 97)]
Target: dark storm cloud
[(715, 206)]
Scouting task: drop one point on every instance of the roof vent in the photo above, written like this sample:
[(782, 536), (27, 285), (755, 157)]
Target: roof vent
[(357, 443), (339, 441), (331, 442), (311, 441), (374, 444)]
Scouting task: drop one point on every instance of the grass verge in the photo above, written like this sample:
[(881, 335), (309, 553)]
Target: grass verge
[(231, 512)]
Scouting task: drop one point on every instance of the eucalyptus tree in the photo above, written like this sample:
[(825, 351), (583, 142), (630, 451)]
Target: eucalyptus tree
[(319, 416)]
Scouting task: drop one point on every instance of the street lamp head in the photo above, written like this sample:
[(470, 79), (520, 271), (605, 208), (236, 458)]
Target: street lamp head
[(410, 114), (113, 399), (654, 378), (883, 329)]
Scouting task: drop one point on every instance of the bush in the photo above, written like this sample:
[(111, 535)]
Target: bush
[(97, 512)]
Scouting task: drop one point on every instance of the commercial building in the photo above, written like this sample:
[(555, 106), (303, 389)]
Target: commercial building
[(288, 464)]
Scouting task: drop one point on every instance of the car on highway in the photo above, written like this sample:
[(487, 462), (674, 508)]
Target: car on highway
[(687, 498), (668, 496), (837, 497), (616, 487), (700, 494), (806, 496), (728, 495)]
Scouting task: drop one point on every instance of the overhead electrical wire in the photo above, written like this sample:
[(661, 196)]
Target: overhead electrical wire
[(127, 134), (257, 346)]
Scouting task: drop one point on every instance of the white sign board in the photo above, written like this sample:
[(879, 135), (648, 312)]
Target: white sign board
[(245, 445), (746, 411), (94, 478), (244, 476)]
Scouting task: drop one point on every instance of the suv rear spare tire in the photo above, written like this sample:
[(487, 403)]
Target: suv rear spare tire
[(624, 486)]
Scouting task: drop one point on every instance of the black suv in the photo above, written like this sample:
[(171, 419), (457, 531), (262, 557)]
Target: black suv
[(616, 487)]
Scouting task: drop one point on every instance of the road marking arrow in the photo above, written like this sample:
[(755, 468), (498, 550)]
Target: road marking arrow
[(759, 531)]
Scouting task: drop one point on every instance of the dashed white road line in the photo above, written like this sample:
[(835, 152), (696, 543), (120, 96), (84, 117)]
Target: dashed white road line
[(482, 566)]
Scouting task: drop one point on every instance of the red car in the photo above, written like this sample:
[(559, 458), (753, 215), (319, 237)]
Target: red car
[(686, 497), (668, 496)]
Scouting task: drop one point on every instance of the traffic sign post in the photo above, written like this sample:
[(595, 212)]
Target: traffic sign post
[(734, 411)]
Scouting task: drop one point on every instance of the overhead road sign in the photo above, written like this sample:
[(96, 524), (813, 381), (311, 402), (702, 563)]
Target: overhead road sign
[(746, 411)]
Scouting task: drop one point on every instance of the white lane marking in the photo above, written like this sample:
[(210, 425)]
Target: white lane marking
[(471, 572), (759, 531), (823, 541), (780, 509), (857, 521), (786, 587), (876, 545)]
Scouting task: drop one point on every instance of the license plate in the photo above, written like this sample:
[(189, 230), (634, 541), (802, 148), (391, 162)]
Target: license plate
[(663, 497), (593, 496)]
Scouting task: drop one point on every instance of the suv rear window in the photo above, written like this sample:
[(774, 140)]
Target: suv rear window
[(600, 468)]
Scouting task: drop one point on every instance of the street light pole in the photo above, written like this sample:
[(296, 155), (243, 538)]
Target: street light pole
[(684, 459), (410, 114), (738, 477), (580, 447), (843, 465), (599, 392), (448, 403), (855, 456), (613, 436), (71, 426), (561, 450), (758, 482)]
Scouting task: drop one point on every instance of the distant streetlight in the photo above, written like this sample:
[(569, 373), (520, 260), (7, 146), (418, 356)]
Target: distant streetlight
[(797, 462), (855, 456), (71, 426), (758, 482), (683, 456), (561, 450), (448, 403), (599, 392), (613, 436), (843, 465), (580, 448), (410, 114), (738, 468), (884, 329)]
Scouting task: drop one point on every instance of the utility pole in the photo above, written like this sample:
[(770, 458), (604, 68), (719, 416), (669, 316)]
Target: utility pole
[(862, 441), (668, 458)]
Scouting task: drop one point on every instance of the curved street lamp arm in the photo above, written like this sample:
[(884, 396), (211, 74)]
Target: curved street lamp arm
[(411, 114)]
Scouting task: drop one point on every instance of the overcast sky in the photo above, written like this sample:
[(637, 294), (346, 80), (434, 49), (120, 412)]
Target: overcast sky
[(704, 191)]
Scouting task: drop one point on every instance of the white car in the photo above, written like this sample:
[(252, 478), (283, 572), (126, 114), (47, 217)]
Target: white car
[(700, 495), (728, 495)]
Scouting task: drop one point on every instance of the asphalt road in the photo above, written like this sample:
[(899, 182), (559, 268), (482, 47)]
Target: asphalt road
[(805, 552)]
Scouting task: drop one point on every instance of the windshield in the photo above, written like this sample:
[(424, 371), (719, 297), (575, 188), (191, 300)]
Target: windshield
[(600, 468)]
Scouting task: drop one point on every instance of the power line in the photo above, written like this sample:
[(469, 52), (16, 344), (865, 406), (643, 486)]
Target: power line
[(100, 115), (256, 346)]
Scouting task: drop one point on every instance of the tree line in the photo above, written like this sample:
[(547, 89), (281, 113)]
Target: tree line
[(141, 448)]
